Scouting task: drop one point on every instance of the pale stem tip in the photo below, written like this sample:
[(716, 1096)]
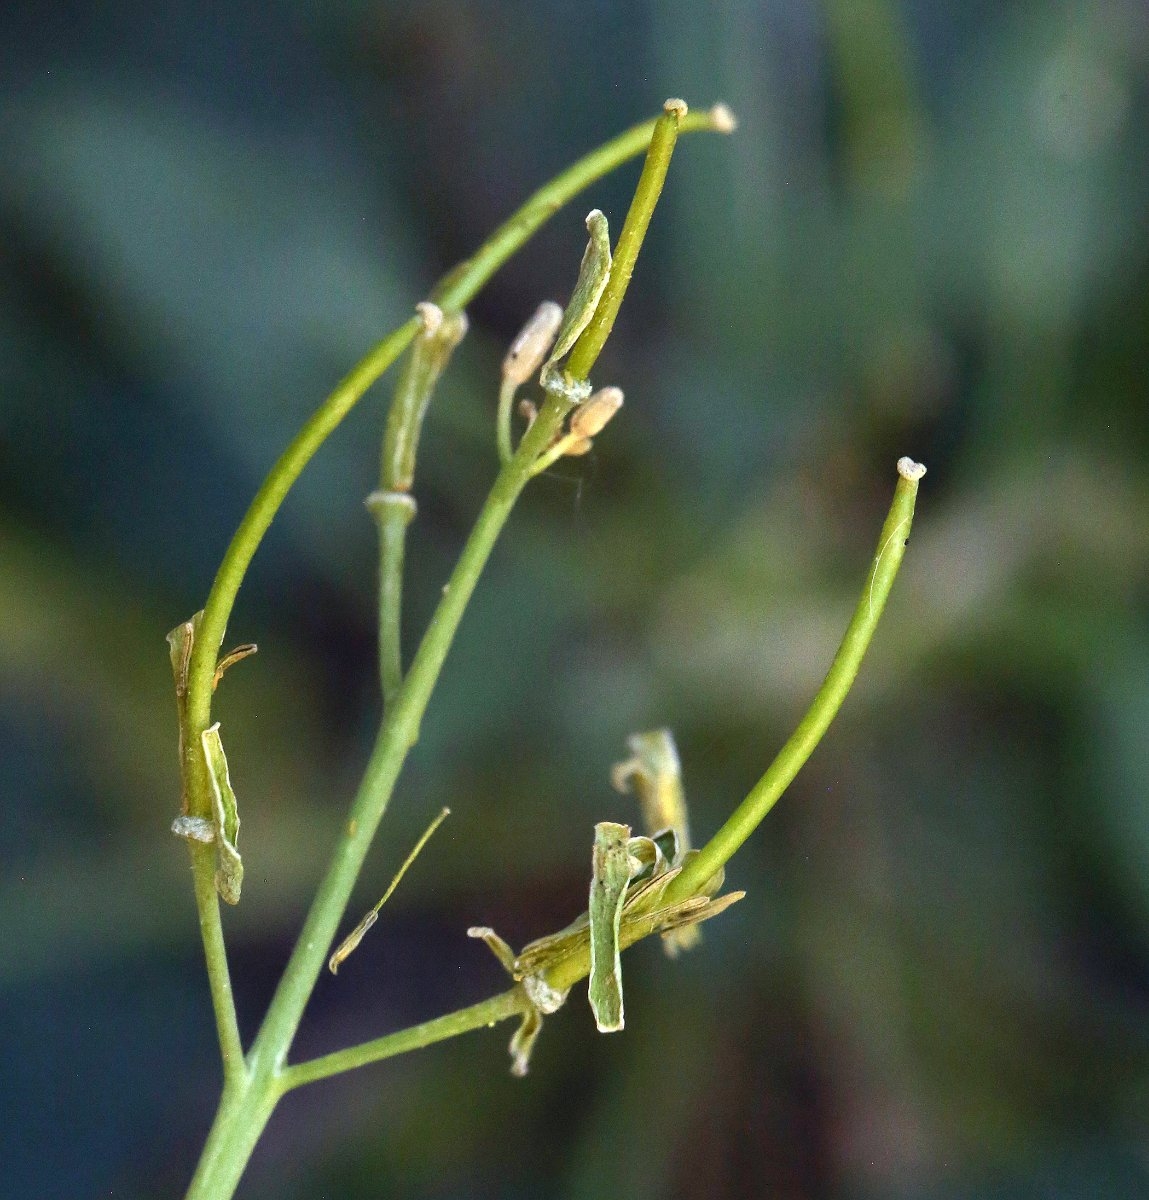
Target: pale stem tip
[(676, 107), (595, 214), (722, 119), (431, 315), (908, 469)]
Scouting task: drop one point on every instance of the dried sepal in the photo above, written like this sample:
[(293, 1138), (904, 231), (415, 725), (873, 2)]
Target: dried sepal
[(654, 773), (594, 273), (612, 868), (523, 1041), (181, 641), (496, 945), (230, 659), (229, 865), (351, 941)]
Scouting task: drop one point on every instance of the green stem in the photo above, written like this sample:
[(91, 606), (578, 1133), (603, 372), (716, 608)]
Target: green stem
[(215, 954), (393, 512), (844, 669), (242, 1115), (246, 1107), (250, 1095), (484, 1014), (453, 292), (503, 420), (662, 141), (392, 504), (399, 732)]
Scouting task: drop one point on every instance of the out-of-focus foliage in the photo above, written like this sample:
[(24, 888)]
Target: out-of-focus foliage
[(929, 236)]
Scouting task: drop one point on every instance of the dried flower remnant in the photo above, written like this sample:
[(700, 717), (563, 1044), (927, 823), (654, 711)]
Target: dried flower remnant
[(229, 865), (593, 276), (351, 942), (619, 914)]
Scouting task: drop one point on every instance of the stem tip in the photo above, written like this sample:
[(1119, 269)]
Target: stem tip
[(722, 119)]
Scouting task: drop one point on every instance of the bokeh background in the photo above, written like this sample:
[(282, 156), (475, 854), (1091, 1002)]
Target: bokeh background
[(928, 237)]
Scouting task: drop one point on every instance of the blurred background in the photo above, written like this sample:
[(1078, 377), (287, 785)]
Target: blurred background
[(928, 237)]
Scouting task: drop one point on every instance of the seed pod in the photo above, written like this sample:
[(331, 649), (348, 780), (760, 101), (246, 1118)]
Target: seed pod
[(592, 417)]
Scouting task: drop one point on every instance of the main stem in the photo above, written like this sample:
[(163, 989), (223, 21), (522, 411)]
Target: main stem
[(252, 1090), (254, 1098), (843, 670)]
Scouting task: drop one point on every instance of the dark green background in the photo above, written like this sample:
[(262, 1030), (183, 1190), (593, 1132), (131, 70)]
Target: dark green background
[(928, 237)]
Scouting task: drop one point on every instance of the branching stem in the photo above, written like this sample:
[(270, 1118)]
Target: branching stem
[(843, 671), (252, 1089)]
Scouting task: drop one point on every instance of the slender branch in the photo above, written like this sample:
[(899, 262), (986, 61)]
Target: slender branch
[(246, 1105), (844, 669), (453, 292), (215, 955), (393, 512), (399, 732), (484, 1014), (503, 420), (392, 504), (662, 142)]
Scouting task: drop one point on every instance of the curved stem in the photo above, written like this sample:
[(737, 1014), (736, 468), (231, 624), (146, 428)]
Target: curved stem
[(477, 1016), (662, 141), (399, 732), (250, 1094), (453, 292), (843, 670)]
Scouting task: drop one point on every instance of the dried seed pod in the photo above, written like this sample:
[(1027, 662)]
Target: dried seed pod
[(592, 417), (532, 343)]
